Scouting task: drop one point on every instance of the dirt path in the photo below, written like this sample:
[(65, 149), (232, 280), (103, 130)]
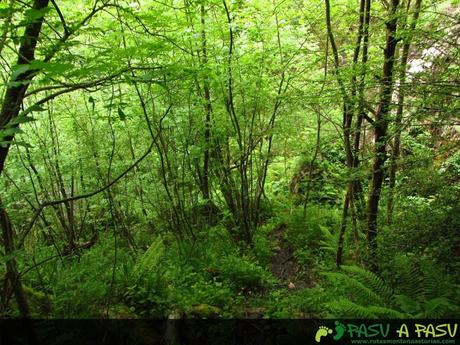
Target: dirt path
[(283, 263)]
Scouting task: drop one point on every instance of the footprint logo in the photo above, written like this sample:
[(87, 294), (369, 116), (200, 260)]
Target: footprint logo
[(339, 330), (321, 332)]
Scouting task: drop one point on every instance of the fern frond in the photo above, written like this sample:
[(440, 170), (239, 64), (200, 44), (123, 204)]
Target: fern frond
[(387, 313), (410, 279), (437, 308), (347, 308), (376, 284), (357, 289), (150, 259), (407, 304)]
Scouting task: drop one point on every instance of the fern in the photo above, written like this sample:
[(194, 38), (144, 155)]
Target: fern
[(329, 241), (369, 296), (347, 308), (357, 289), (150, 260), (425, 290), (373, 281), (407, 304), (387, 313), (409, 279)]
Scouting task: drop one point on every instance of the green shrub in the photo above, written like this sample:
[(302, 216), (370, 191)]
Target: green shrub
[(147, 292), (80, 285), (307, 234), (192, 288), (426, 227), (244, 275), (301, 303)]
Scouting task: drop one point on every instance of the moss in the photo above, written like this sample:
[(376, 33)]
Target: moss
[(40, 303), (205, 311)]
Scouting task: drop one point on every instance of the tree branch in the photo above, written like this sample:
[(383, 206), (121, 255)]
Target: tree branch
[(45, 204), (64, 24)]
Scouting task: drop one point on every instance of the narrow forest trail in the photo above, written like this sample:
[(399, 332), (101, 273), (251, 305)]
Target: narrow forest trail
[(283, 264)]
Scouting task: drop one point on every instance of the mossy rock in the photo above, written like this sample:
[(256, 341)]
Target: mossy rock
[(39, 302), (120, 311), (205, 311), (251, 312)]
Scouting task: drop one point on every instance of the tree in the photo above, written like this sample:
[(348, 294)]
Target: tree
[(382, 119), (12, 101)]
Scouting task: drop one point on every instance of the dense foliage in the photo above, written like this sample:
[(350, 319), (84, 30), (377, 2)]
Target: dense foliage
[(204, 158)]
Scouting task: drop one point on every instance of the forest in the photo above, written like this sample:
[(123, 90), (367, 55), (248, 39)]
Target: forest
[(234, 159)]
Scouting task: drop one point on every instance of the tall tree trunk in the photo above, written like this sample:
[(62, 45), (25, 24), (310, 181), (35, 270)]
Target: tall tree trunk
[(380, 134), (15, 93), (347, 120), (14, 96), (208, 109), (348, 114), (399, 112), (357, 197), (312, 163), (343, 226), (11, 265), (13, 276)]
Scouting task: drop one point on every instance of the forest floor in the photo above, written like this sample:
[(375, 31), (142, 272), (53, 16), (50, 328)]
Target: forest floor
[(283, 264)]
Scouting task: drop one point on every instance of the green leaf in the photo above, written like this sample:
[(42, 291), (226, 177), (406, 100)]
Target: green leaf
[(32, 15), (407, 304), (14, 142), (9, 132), (436, 305), (121, 114), (20, 119), (18, 70), (21, 143), (51, 67), (37, 108), (4, 10)]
